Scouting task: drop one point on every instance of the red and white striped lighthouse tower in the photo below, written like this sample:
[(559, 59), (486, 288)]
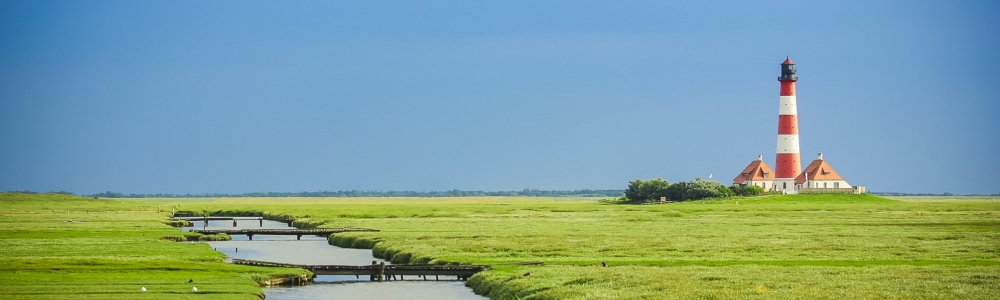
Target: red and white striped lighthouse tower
[(788, 165)]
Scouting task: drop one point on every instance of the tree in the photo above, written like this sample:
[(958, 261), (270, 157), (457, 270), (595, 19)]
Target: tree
[(676, 191), (701, 189), (641, 190), (634, 190)]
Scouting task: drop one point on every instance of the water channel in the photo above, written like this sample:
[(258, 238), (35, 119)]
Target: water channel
[(316, 251)]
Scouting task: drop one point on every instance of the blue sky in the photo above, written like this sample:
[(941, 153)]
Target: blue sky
[(241, 96)]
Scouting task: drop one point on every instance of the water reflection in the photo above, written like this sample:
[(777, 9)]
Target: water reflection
[(316, 251), (374, 290)]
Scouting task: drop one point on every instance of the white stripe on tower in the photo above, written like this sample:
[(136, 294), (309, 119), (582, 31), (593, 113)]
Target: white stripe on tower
[(788, 143), (786, 105)]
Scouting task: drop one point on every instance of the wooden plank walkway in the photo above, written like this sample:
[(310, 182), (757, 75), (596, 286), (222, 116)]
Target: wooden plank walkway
[(379, 272), (296, 232)]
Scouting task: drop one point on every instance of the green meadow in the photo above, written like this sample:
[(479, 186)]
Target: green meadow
[(772, 247), (69, 247), (795, 246)]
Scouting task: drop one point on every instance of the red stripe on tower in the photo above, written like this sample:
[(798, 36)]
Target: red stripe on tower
[(788, 88), (788, 124), (788, 164)]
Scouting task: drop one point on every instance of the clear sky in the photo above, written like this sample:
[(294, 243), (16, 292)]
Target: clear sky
[(243, 96)]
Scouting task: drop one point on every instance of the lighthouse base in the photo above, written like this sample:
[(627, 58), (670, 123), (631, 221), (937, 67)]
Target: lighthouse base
[(785, 185)]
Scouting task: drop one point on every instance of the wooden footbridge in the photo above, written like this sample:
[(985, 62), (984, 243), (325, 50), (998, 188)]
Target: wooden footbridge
[(380, 271), (215, 218), (296, 232), (205, 219)]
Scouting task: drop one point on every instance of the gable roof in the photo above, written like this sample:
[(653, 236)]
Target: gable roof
[(755, 172), (818, 169)]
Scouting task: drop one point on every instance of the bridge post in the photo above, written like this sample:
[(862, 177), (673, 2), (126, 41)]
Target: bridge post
[(261, 222), (298, 237), (250, 235), (381, 271), (372, 277), (234, 222)]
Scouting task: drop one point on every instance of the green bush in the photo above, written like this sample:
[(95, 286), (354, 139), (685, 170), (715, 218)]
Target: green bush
[(215, 237), (651, 190), (751, 190)]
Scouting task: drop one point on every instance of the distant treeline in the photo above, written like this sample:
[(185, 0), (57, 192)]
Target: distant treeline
[(360, 193), (34, 192), (924, 194)]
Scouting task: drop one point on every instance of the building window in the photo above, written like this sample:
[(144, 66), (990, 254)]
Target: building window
[(836, 185), (784, 185), (824, 185)]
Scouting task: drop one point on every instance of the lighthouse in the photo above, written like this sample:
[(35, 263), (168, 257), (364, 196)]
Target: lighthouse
[(788, 165), (788, 176)]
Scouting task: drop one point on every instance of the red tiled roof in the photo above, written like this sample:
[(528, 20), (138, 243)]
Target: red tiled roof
[(818, 170), (755, 172)]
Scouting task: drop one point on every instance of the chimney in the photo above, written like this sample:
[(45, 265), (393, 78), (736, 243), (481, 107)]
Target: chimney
[(760, 157), (819, 156)]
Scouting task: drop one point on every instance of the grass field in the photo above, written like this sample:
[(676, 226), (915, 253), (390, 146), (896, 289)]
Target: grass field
[(68, 247), (802, 246), (945, 198)]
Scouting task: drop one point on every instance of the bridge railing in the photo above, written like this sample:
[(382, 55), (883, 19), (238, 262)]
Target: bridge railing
[(381, 271)]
